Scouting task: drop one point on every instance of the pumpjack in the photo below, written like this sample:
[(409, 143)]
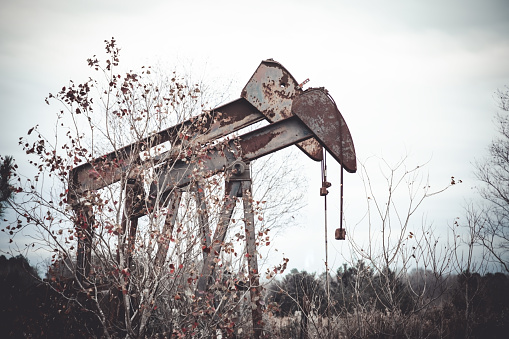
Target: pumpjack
[(307, 118)]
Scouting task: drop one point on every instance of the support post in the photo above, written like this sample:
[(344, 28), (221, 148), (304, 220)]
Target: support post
[(134, 198), (252, 260), (203, 219), (169, 223), (231, 192), (239, 185), (84, 225)]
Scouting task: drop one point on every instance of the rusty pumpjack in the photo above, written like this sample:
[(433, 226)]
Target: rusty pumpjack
[(306, 118)]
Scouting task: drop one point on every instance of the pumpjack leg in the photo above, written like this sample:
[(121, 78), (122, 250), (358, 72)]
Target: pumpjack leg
[(169, 224), (231, 192), (203, 219), (252, 259), (85, 222), (238, 186), (134, 199)]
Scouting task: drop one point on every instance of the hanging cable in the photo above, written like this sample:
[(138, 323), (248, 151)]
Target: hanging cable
[(324, 192), (341, 232), (325, 183)]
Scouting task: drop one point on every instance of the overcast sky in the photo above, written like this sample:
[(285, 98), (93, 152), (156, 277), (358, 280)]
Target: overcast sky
[(410, 77)]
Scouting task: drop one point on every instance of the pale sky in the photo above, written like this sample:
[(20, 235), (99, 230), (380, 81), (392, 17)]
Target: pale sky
[(410, 77)]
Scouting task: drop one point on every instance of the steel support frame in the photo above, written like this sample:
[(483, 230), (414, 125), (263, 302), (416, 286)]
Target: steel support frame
[(309, 119), (239, 185), (252, 259), (232, 190)]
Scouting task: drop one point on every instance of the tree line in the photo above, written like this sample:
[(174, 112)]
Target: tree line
[(463, 305), (363, 304)]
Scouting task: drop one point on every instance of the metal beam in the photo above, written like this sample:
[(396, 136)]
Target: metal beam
[(247, 147), (169, 223), (84, 222), (110, 168)]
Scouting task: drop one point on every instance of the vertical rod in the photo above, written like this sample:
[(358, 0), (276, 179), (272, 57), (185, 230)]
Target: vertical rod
[(84, 225), (126, 240), (341, 202), (252, 260), (327, 282), (341, 163)]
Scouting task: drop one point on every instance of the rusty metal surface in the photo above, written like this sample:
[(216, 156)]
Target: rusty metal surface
[(203, 218), (109, 168), (272, 138), (85, 220), (169, 224), (231, 191), (234, 189), (248, 147), (272, 90), (312, 149), (252, 259), (268, 94), (320, 114), (227, 119), (134, 198)]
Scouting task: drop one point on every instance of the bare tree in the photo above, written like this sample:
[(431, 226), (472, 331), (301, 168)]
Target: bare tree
[(470, 260), (135, 241), (404, 265), (396, 278), (493, 172)]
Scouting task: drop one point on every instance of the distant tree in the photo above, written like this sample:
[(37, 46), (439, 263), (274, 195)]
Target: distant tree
[(17, 271), (296, 291), (493, 172), (299, 293), (353, 286), (29, 309), (484, 314), (5, 188), (379, 296)]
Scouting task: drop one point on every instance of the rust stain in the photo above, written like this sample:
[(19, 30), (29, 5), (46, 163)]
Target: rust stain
[(272, 90), (253, 145), (312, 148), (316, 109), (284, 80)]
